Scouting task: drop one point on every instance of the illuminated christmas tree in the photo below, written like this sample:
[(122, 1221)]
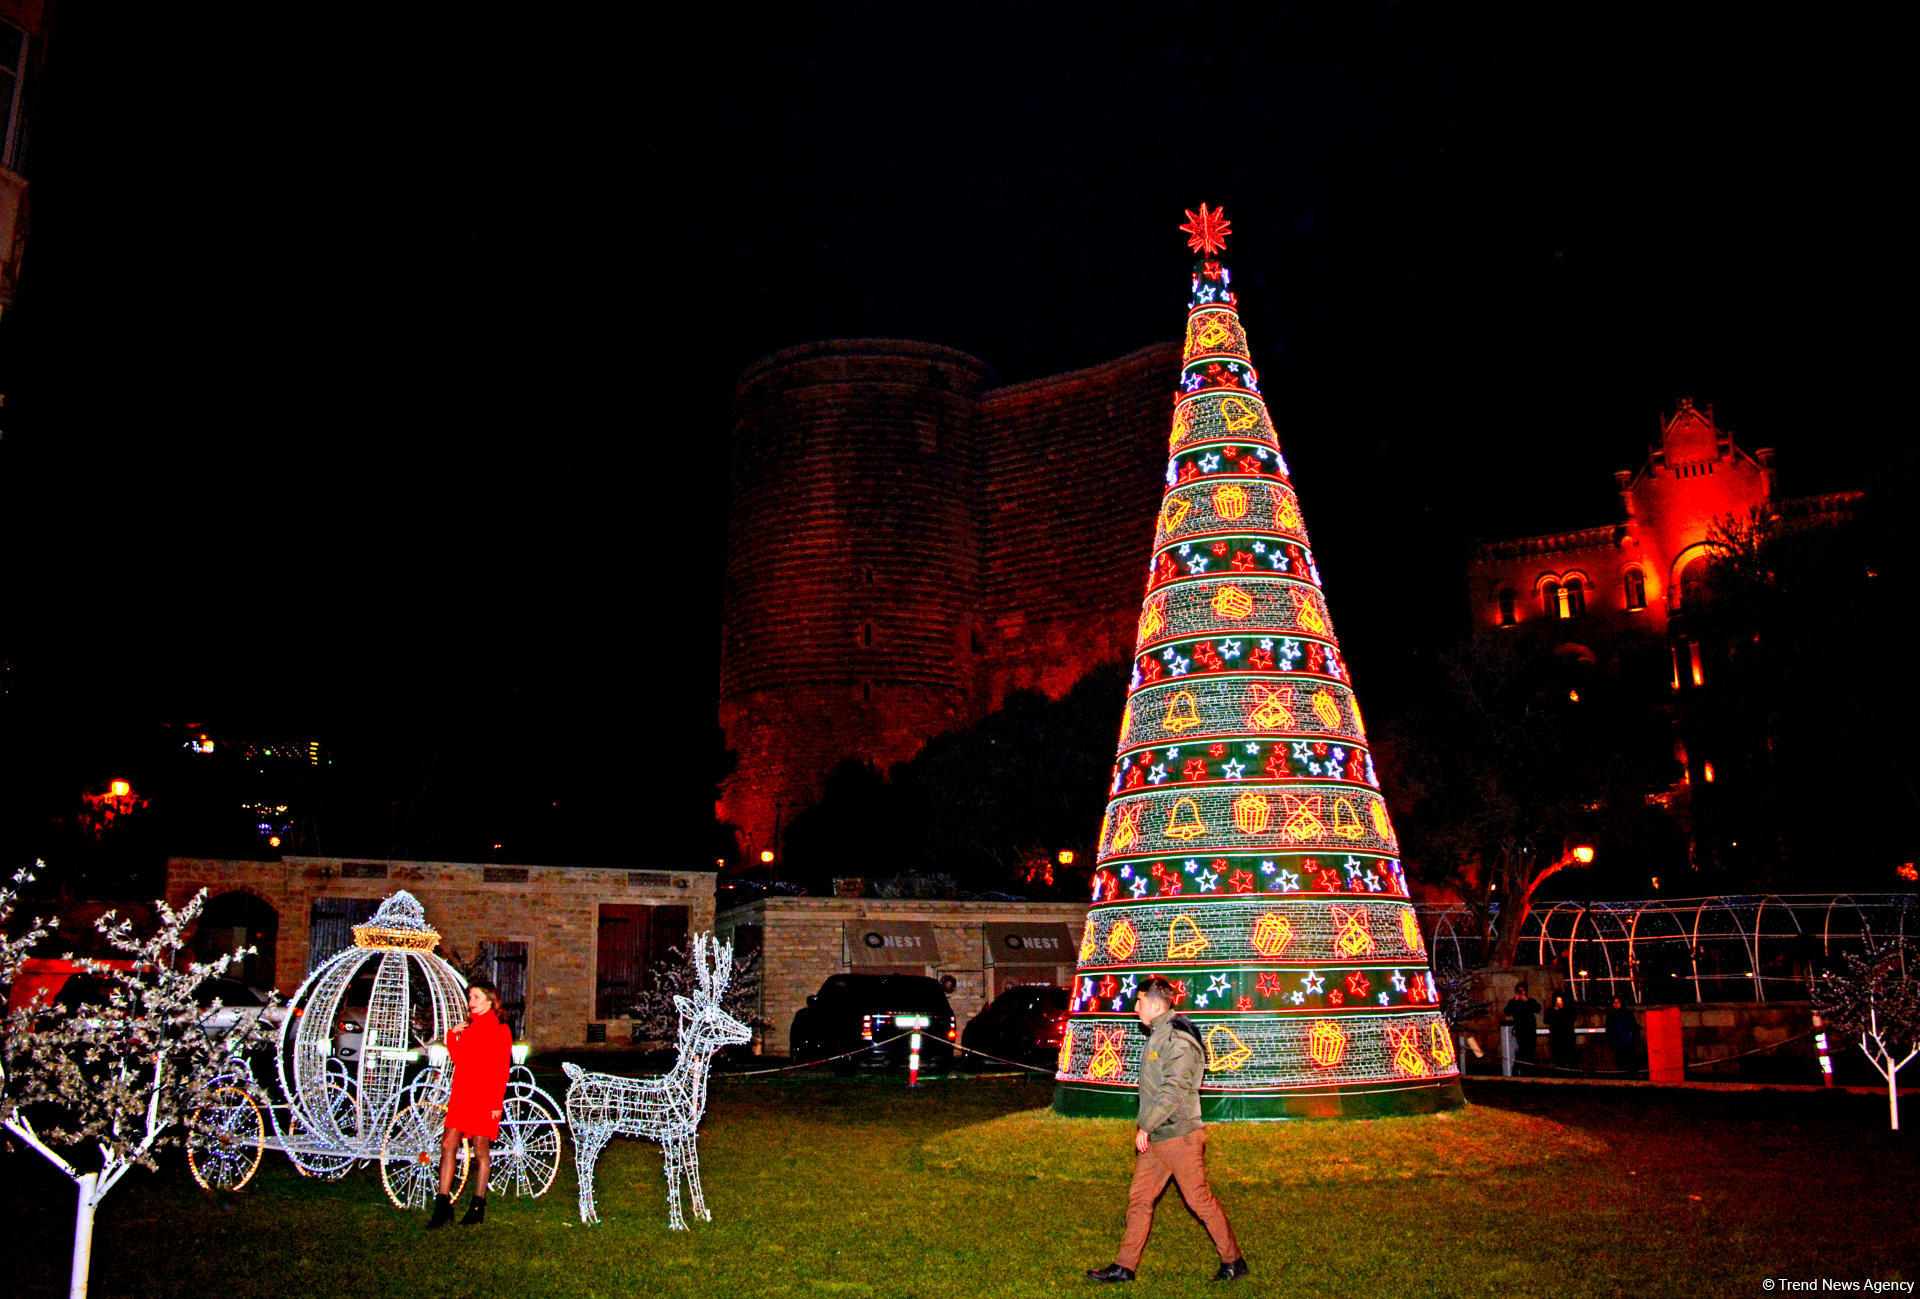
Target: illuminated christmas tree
[(1246, 853)]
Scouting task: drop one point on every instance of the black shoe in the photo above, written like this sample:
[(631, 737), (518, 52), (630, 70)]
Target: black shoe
[(1231, 1271), (476, 1212), (442, 1212), (1111, 1272)]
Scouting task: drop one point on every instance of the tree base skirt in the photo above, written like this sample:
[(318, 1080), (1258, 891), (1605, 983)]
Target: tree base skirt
[(1363, 1101)]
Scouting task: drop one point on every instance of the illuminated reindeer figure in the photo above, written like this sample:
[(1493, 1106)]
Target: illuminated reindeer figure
[(666, 1109)]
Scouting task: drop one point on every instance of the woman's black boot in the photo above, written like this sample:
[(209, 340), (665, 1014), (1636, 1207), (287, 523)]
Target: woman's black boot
[(442, 1212), (476, 1212)]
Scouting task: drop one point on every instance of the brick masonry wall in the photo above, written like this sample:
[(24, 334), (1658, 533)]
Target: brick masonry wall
[(555, 911), (991, 541), (804, 946)]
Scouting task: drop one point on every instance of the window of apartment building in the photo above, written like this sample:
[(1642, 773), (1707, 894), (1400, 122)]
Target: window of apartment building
[(1574, 598), (1552, 600), (1636, 588), (1505, 598), (634, 940)]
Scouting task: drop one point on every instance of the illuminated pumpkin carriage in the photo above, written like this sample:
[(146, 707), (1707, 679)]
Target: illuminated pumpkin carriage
[(386, 1106)]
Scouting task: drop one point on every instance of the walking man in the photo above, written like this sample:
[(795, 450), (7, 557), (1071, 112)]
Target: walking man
[(1169, 1139)]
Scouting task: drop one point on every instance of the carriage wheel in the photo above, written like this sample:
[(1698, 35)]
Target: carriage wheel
[(228, 1136), (313, 1152), (410, 1156), (526, 1155)]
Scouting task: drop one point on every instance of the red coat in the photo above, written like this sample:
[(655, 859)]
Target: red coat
[(481, 1055)]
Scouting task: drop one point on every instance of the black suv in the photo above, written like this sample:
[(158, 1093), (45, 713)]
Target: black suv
[(1022, 1024), (860, 1012)]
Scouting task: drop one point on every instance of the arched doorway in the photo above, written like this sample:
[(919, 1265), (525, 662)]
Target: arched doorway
[(237, 920)]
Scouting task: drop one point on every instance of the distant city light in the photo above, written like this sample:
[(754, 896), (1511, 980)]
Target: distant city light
[(1906, 870), (273, 841), (766, 856), (1574, 695), (119, 789), (1706, 772), (1066, 857), (1583, 853)]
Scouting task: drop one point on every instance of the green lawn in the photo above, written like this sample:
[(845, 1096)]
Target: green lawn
[(829, 1186)]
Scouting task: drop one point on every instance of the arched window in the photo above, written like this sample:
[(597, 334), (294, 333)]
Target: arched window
[(1636, 586), (1695, 583), (1576, 598), (1552, 602), (1507, 618)]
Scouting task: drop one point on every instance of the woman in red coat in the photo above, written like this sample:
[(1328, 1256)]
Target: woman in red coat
[(481, 1054)]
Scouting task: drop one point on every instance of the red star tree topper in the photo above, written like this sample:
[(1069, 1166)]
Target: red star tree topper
[(1209, 230)]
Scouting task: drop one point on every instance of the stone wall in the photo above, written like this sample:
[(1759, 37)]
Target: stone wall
[(804, 943), (554, 910)]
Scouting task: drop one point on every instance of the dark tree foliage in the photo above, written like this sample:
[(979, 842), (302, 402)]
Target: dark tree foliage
[(991, 806), (1503, 769), (1810, 703)]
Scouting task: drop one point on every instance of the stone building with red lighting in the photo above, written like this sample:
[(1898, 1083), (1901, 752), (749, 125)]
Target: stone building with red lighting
[(1629, 580), (897, 534)]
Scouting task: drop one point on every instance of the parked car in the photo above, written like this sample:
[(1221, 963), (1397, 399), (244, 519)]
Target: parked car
[(861, 1012), (1023, 1024), (238, 1002)]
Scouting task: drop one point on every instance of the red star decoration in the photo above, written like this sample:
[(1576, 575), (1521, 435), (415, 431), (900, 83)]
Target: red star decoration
[(1336, 998), (1209, 229), (1242, 562), (1179, 991), (1357, 984), (1242, 881), (1196, 769), (1268, 984), (1245, 1003), (1109, 988)]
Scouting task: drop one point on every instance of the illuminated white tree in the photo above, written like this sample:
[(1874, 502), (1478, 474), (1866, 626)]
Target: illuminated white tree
[(1877, 996), (656, 1011), (101, 1088)]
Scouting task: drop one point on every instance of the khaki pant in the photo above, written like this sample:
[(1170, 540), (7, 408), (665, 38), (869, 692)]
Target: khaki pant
[(1184, 1160)]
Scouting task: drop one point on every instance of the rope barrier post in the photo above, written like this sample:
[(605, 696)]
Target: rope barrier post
[(1820, 1045), (916, 1023)]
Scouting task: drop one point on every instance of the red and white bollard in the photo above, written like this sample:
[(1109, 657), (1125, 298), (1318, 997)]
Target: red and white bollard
[(916, 1023), (1820, 1045)]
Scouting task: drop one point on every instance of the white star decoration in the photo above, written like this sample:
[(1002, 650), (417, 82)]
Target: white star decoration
[(1289, 882), (1220, 984), (1400, 980), (1232, 769), (1313, 982)]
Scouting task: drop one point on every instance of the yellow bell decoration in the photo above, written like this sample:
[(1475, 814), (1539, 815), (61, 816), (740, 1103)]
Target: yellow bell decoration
[(1230, 501), (1326, 1044), (1407, 1059), (1358, 725), (1286, 509), (1232, 602), (1327, 711), (1177, 509), (1410, 932), (1184, 939), (1184, 821), (1440, 1042), (1225, 1051), (1239, 413), (1153, 620), (1251, 812), (1066, 1049), (1126, 828), (1126, 724), (1345, 823), (1086, 943), (1269, 709), (1183, 712), (1179, 432), (1303, 818), (1351, 933), (1381, 827), (1106, 1055)]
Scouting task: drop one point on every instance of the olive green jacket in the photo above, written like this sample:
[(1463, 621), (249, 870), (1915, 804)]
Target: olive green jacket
[(1171, 1065)]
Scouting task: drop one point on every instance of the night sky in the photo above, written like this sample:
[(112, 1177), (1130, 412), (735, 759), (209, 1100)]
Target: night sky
[(373, 380)]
